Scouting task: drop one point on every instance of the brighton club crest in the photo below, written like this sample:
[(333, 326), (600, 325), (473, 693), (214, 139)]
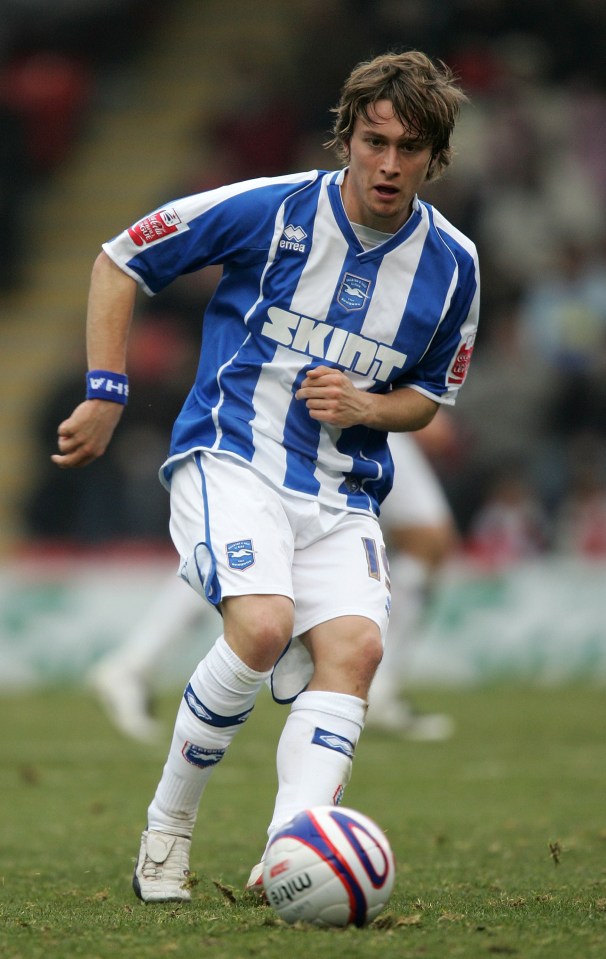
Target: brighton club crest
[(240, 555), (353, 292)]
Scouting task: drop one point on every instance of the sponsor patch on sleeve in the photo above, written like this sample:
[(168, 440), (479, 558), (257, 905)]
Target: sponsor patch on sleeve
[(155, 227), (460, 363)]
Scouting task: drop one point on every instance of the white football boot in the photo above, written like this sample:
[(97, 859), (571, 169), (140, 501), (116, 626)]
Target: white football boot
[(255, 880), (162, 870), (124, 695), (398, 717)]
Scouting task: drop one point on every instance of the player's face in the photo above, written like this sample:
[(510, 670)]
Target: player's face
[(387, 167)]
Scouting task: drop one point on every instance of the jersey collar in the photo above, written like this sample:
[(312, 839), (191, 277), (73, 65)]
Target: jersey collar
[(406, 230)]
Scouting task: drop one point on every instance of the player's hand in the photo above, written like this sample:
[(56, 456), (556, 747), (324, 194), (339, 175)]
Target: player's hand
[(85, 435), (331, 397)]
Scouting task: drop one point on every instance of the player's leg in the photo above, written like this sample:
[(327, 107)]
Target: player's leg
[(222, 690), (318, 743), (217, 700), (317, 746), (342, 583)]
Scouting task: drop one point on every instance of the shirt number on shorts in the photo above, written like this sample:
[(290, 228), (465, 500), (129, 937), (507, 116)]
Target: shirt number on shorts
[(374, 560)]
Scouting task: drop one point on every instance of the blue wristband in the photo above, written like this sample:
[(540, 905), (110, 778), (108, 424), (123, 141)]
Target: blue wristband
[(105, 385)]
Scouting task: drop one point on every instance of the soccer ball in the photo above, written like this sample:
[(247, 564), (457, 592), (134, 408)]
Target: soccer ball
[(329, 866)]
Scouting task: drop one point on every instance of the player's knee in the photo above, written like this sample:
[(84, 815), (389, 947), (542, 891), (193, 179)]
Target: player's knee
[(370, 652), (363, 655), (258, 627), (270, 634)]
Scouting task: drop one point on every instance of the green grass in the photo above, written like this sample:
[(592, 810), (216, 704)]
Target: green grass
[(499, 835)]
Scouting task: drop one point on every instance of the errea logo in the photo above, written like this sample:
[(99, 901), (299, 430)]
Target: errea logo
[(292, 238)]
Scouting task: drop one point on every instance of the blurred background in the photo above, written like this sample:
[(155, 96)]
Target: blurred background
[(110, 107)]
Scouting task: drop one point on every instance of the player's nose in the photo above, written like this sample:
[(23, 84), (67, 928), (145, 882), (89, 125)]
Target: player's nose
[(390, 164)]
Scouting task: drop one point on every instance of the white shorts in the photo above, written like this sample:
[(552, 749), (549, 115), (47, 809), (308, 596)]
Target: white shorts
[(237, 535), (416, 498)]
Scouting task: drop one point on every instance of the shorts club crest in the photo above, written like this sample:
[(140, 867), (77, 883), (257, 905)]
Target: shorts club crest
[(240, 555)]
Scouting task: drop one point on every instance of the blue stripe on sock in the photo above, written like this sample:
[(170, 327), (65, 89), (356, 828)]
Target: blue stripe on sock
[(206, 715)]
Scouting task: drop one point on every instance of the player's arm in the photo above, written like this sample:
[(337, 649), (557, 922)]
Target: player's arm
[(85, 435), (332, 398)]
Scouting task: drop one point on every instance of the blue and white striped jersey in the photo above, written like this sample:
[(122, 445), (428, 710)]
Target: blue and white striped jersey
[(298, 290)]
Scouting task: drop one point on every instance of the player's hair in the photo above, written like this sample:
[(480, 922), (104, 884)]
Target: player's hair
[(425, 97)]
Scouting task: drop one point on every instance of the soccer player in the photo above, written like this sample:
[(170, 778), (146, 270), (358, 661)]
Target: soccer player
[(347, 309)]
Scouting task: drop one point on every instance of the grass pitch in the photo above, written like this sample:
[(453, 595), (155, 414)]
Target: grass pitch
[(499, 835)]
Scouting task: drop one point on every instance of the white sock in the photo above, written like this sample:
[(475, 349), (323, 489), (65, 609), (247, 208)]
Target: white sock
[(315, 752), (217, 701)]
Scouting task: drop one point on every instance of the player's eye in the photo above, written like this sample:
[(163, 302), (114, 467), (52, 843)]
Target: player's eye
[(414, 146)]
